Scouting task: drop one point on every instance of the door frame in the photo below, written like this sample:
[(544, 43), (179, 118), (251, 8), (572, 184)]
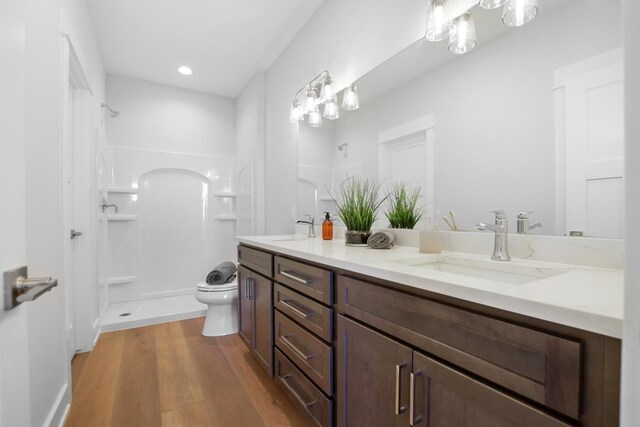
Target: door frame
[(82, 294)]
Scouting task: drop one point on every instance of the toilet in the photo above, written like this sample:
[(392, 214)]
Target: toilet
[(222, 312)]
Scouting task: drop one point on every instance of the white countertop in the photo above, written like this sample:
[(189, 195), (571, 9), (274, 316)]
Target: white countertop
[(585, 298)]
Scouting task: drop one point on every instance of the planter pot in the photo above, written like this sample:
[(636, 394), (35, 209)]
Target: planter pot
[(356, 238)]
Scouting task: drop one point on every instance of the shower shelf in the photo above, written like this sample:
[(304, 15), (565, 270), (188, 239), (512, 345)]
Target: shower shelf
[(224, 217), (122, 217), (121, 280), (123, 190)]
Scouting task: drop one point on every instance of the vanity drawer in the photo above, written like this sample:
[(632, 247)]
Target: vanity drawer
[(311, 355), (314, 282), (302, 391), (315, 317), (542, 367), (259, 261)]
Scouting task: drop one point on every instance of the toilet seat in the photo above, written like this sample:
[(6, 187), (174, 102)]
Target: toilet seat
[(204, 287)]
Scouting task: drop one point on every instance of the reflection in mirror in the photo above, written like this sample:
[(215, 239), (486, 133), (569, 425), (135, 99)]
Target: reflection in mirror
[(529, 121)]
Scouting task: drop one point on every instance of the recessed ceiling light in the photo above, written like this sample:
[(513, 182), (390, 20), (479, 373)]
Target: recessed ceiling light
[(185, 70)]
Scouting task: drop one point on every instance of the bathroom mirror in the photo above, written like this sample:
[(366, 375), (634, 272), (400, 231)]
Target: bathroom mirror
[(531, 120)]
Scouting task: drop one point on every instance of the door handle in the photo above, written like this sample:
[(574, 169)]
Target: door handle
[(73, 234), (18, 288), (412, 398), (398, 409)]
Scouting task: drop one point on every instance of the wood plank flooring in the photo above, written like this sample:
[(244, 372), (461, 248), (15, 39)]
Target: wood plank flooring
[(169, 375)]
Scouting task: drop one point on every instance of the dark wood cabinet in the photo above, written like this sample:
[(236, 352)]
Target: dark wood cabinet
[(372, 373), (255, 313)]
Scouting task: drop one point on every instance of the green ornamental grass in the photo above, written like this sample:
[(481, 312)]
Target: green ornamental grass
[(358, 202), (404, 211)]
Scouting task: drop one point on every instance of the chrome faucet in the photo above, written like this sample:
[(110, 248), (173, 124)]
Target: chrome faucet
[(523, 223), (311, 222), (501, 228), (106, 205)]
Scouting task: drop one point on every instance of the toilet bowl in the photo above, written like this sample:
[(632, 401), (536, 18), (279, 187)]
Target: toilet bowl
[(222, 312)]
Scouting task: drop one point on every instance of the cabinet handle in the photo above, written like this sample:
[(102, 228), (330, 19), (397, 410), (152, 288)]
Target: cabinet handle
[(294, 392), (287, 303), (297, 278), (252, 289), (295, 349), (412, 398), (246, 288), (397, 407)]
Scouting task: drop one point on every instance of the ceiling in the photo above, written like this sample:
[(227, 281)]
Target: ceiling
[(223, 42)]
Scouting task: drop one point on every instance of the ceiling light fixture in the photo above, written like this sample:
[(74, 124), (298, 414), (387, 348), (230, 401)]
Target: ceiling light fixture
[(184, 70), (350, 100), (462, 32), (321, 92)]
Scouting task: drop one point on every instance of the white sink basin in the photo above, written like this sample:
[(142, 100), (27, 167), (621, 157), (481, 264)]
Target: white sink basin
[(498, 271)]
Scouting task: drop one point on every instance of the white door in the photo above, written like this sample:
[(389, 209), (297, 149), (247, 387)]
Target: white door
[(595, 153), (34, 373)]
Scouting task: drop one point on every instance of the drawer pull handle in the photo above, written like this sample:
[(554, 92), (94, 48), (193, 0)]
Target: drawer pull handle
[(299, 398), (296, 350), (412, 399), (398, 409), (287, 303), (297, 278)]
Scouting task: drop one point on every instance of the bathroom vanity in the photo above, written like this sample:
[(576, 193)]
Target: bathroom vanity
[(363, 337)]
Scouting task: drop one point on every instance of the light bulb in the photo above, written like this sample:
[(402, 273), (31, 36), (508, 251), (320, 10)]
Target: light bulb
[(310, 101), (519, 12), (350, 99), (328, 93), (296, 113), (315, 118), (438, 27), (491, 4), (463, 37), (331, 110), (184, 70)]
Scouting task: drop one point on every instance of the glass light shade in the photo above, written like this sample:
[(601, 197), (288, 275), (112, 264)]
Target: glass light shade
[(331, 110), (463, 37), (328, 92), (315, 118), (519, 12), (491, 4), (350, 99), (438, 27), (310, 101), (296, 113)]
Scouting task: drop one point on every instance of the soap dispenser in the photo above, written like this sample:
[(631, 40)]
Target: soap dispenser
[(327, 227)]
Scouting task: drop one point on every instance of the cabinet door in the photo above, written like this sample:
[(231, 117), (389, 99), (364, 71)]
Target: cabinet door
[(372, 377), (261, 294), (245, 310), (444, 397)]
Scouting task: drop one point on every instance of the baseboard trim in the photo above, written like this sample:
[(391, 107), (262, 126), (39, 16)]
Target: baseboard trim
[(60, 410)]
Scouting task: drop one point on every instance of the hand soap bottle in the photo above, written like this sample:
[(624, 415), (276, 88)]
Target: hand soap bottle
[(327, 227)]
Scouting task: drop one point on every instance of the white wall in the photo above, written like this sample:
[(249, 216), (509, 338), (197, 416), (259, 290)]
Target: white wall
[(494, 115), (347, 37), (631, 339), (250, 149), (166, 118)]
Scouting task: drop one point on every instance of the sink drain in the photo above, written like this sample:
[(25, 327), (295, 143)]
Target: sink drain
[(125, 314)]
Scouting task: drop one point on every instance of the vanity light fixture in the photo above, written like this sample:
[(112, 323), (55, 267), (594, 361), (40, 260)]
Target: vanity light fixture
[(519, 12), (185, 71), (438, 27), (491, 4), (463, 37), (462, 31), (320, 93), (350, 100)]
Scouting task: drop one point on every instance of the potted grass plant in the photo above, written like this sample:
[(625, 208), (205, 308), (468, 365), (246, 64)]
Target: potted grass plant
[(404, 211), (358, 203)]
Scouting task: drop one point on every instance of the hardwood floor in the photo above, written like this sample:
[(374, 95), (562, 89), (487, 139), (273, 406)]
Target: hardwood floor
[(169, 375)]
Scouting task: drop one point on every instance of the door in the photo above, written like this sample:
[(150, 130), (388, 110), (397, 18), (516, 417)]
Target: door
[(444, 397), (261, 295), (245, 309), (594, 112), (372, 377)]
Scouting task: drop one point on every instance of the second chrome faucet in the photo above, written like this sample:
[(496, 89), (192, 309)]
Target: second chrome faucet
[(501, 230)]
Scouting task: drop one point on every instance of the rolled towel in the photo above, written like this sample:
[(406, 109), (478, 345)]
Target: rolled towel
[(223, 273), (381, 240)]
